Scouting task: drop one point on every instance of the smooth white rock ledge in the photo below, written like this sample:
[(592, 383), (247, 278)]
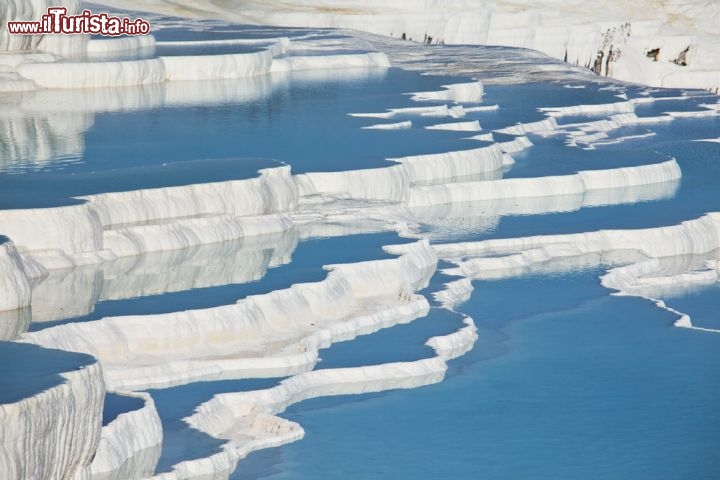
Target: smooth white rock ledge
[(577, 184), (690, 237), (454, 293), (14, 281), (456, 111), (110, 73), (471, 126), (457, 92), (394, 183), (390, 126), (124, 442), (643, 279), (631, 250), (262, 335), (615, 39)]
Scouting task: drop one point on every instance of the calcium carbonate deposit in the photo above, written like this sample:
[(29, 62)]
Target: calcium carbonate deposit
[(317, 239)]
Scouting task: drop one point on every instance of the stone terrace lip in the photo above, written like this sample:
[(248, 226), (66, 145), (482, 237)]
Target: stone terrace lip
[(57, 21)]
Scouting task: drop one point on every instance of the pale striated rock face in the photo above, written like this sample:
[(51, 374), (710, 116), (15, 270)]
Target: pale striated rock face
[(31, 71), (580, 184), (272, 192), (14, 282), (15, 292), (50, 412), (73, 228), (14, 322), (673, 43)]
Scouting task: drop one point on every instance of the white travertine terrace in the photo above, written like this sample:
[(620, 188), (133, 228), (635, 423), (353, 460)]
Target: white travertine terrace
[(280, 333), (456, 92), (457, 111), (55, 432), (112, 225), (125, 441), (56, 61), (253, 414), (578, 184), (129, 446), (454, 292), (353, 299), (470, 126), (390, 126), (637, 256), (176, 68), (668, 44), (596, 132)]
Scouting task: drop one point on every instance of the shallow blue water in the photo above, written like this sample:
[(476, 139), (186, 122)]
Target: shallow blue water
[(27, 369), (269, 110), (255, 118), (565, 382), (118, 404)]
